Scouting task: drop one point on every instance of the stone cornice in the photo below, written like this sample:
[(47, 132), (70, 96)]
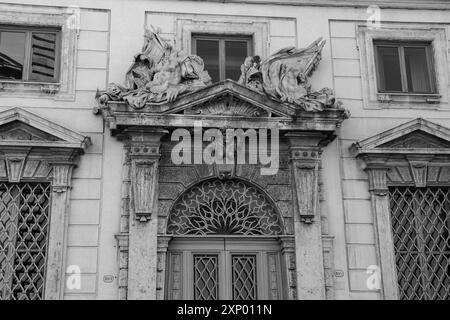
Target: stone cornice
[(384, 4), (177, 114)]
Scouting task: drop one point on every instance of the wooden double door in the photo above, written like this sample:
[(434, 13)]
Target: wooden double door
[(225, 268)]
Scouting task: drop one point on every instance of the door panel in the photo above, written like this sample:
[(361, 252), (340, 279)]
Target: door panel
[(224, 269), (244, 277), (206, 276)]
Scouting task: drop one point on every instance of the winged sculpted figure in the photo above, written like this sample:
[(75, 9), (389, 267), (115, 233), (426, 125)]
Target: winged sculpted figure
[(158, 73), (284, 76)]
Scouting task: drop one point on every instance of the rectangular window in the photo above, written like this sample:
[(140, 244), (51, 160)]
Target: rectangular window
[(29, 54), (24, 223), (404, 67), (421, 229), (223, 56)]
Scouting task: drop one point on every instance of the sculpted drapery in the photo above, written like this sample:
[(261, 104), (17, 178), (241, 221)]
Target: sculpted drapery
[(159, 73)]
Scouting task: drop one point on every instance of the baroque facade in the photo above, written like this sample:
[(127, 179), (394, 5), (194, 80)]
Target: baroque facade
[(351, 98)]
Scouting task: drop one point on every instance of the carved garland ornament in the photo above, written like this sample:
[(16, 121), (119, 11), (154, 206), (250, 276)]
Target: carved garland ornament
[(223, 207)]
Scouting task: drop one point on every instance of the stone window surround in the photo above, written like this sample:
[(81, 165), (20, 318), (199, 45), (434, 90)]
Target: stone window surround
[(379, 162), (403, 32), (67, 19), (61, 158), (222, 25)]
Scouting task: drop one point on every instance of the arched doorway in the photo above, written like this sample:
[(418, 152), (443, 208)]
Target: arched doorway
[(225, 244)]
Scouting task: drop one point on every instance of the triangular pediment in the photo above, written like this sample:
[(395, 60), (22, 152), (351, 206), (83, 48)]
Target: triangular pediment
[(419, 135), (20, 127), (228, 98)]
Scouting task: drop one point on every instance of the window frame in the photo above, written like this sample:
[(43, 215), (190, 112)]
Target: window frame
[(222, 38), (414, 165), (29, 30), (67, 19), (401, 45), (435, 34)]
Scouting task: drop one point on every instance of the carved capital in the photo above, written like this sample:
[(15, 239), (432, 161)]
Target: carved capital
[(122, 240), (287, 243), (163, 243), (62, 173), (378, 180)]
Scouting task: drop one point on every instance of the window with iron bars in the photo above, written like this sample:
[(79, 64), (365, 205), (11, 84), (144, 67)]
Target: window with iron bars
[(24, 224), (421, 227)]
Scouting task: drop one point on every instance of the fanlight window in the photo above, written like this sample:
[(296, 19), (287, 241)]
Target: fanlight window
[(228, 207)]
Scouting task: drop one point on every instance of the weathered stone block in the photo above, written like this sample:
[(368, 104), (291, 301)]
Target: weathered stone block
[(93, 40), (84, 258), (92, 59), (87, 79), (85, 189), (94, 20), (170, 191), (360, 233), (82, 235), (84, 212)]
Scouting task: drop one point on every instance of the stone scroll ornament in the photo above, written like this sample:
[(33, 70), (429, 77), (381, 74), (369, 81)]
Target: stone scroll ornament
[(159, 73), (284, 77)]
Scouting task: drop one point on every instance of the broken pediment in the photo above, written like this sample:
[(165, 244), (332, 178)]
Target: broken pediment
[(223, 104), (417, 136), (160, 73)]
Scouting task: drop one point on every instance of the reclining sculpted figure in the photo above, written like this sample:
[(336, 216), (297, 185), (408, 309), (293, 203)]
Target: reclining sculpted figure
[(158, 74), (284, 77)]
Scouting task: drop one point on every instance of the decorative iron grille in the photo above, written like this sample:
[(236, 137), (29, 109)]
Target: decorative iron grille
[(421, 225), (206, 277), (24, 221), (223, 207), (244, 277)]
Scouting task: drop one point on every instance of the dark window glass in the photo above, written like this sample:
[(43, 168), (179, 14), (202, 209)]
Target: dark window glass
[(223, 56), (390, 74), (208, 50), (29, 54), (43, 56), (12, 54), (235, 53), (404, 67), (417, 69)]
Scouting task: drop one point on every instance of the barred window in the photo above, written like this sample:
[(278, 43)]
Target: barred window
[(24, 224), (421, 227)]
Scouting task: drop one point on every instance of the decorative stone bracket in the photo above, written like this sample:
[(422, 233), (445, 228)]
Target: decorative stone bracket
[(305, 159), (143, 184), (143, 151)]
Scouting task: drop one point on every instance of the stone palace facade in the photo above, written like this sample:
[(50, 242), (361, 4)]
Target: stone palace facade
[(118, 180)]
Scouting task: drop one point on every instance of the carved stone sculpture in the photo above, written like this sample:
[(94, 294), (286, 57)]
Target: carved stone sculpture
[(284, 76), (158, 73)]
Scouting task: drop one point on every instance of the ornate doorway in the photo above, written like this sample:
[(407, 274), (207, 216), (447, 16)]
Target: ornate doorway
[(225, 244)]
